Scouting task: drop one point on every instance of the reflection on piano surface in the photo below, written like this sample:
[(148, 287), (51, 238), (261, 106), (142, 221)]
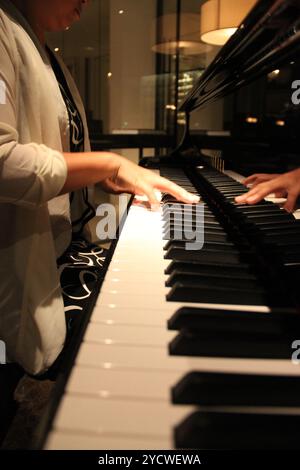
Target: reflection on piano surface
[(192, 349)]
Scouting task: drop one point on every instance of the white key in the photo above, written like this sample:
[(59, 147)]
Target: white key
[(128, 335), (121, 316), (119, 417), (124, 383), (132, 357), (63, 440)]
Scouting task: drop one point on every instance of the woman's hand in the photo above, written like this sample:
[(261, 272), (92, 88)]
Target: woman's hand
[(258, 178), (288, 183), (118, 175), (130, 178)]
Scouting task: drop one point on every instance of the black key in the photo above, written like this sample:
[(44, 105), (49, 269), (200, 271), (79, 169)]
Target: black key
[(211, 343), (209, 293), (192, 224), (275, 323), (249, 210), (197, 280), (238, 431), (203, 255), (258, 220), (181, 245), (194, 266), (262, 230), (210, 235), (223, 389)]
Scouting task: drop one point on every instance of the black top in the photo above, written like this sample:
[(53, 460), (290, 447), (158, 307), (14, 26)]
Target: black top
[(75, 120), (76, 137)]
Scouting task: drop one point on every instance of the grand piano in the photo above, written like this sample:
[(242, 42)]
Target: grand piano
[(197, 349)]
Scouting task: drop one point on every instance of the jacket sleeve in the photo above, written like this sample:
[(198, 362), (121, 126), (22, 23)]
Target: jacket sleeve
[(30, 174)]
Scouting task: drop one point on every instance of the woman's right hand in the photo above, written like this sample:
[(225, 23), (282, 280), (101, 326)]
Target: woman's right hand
[(118, 175), (133, 179)]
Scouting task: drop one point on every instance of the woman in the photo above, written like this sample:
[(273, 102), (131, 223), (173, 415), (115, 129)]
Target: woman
[(44, 156)]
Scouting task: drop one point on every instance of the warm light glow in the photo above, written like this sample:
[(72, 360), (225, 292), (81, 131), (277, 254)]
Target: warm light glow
[(251, 120), (121, 12), (109, 74), (172, 107), (56, 49), (108, 341), (220, 19), (273, 74), (280, 123), (164, 28), (218, 37)]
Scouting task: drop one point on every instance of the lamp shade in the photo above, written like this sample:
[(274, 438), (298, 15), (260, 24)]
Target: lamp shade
[(221, 18), (189, 43)]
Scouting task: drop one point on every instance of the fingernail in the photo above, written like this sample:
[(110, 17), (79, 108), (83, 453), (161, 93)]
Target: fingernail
[(194, 199), (155, 207)]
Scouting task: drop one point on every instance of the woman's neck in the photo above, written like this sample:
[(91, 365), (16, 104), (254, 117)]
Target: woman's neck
[(26, 7)]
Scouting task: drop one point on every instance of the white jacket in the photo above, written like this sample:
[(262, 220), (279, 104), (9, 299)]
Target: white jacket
[(34, 227)]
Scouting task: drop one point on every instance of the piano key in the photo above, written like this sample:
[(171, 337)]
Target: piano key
[(158, 359), (216, 245), (123, 316), (278, 322), (150, 385), (216, 277), (211, 293), (127, 334), (107, 417), (213, 389), (63, 440), (213, 430), (203, 255), (230, 344), (194, 266)]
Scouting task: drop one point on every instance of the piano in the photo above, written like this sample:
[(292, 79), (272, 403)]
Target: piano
[(196, 348)]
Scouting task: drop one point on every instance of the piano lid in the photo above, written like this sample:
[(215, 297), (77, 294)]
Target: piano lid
[(266, 39)]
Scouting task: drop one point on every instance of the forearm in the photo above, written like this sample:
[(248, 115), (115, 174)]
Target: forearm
[(85, 169)]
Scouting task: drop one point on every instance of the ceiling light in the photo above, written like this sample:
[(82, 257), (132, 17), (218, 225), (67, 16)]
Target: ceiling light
[(221, 18)]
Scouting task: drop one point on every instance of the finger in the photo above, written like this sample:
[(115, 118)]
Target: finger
[(255, 195), (280, 193), (250, 180), (260, 179), (243, 198), (152, 198), (179, 193), (291, 201)]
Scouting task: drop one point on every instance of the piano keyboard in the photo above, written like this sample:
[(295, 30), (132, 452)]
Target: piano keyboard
[(119, 394)]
